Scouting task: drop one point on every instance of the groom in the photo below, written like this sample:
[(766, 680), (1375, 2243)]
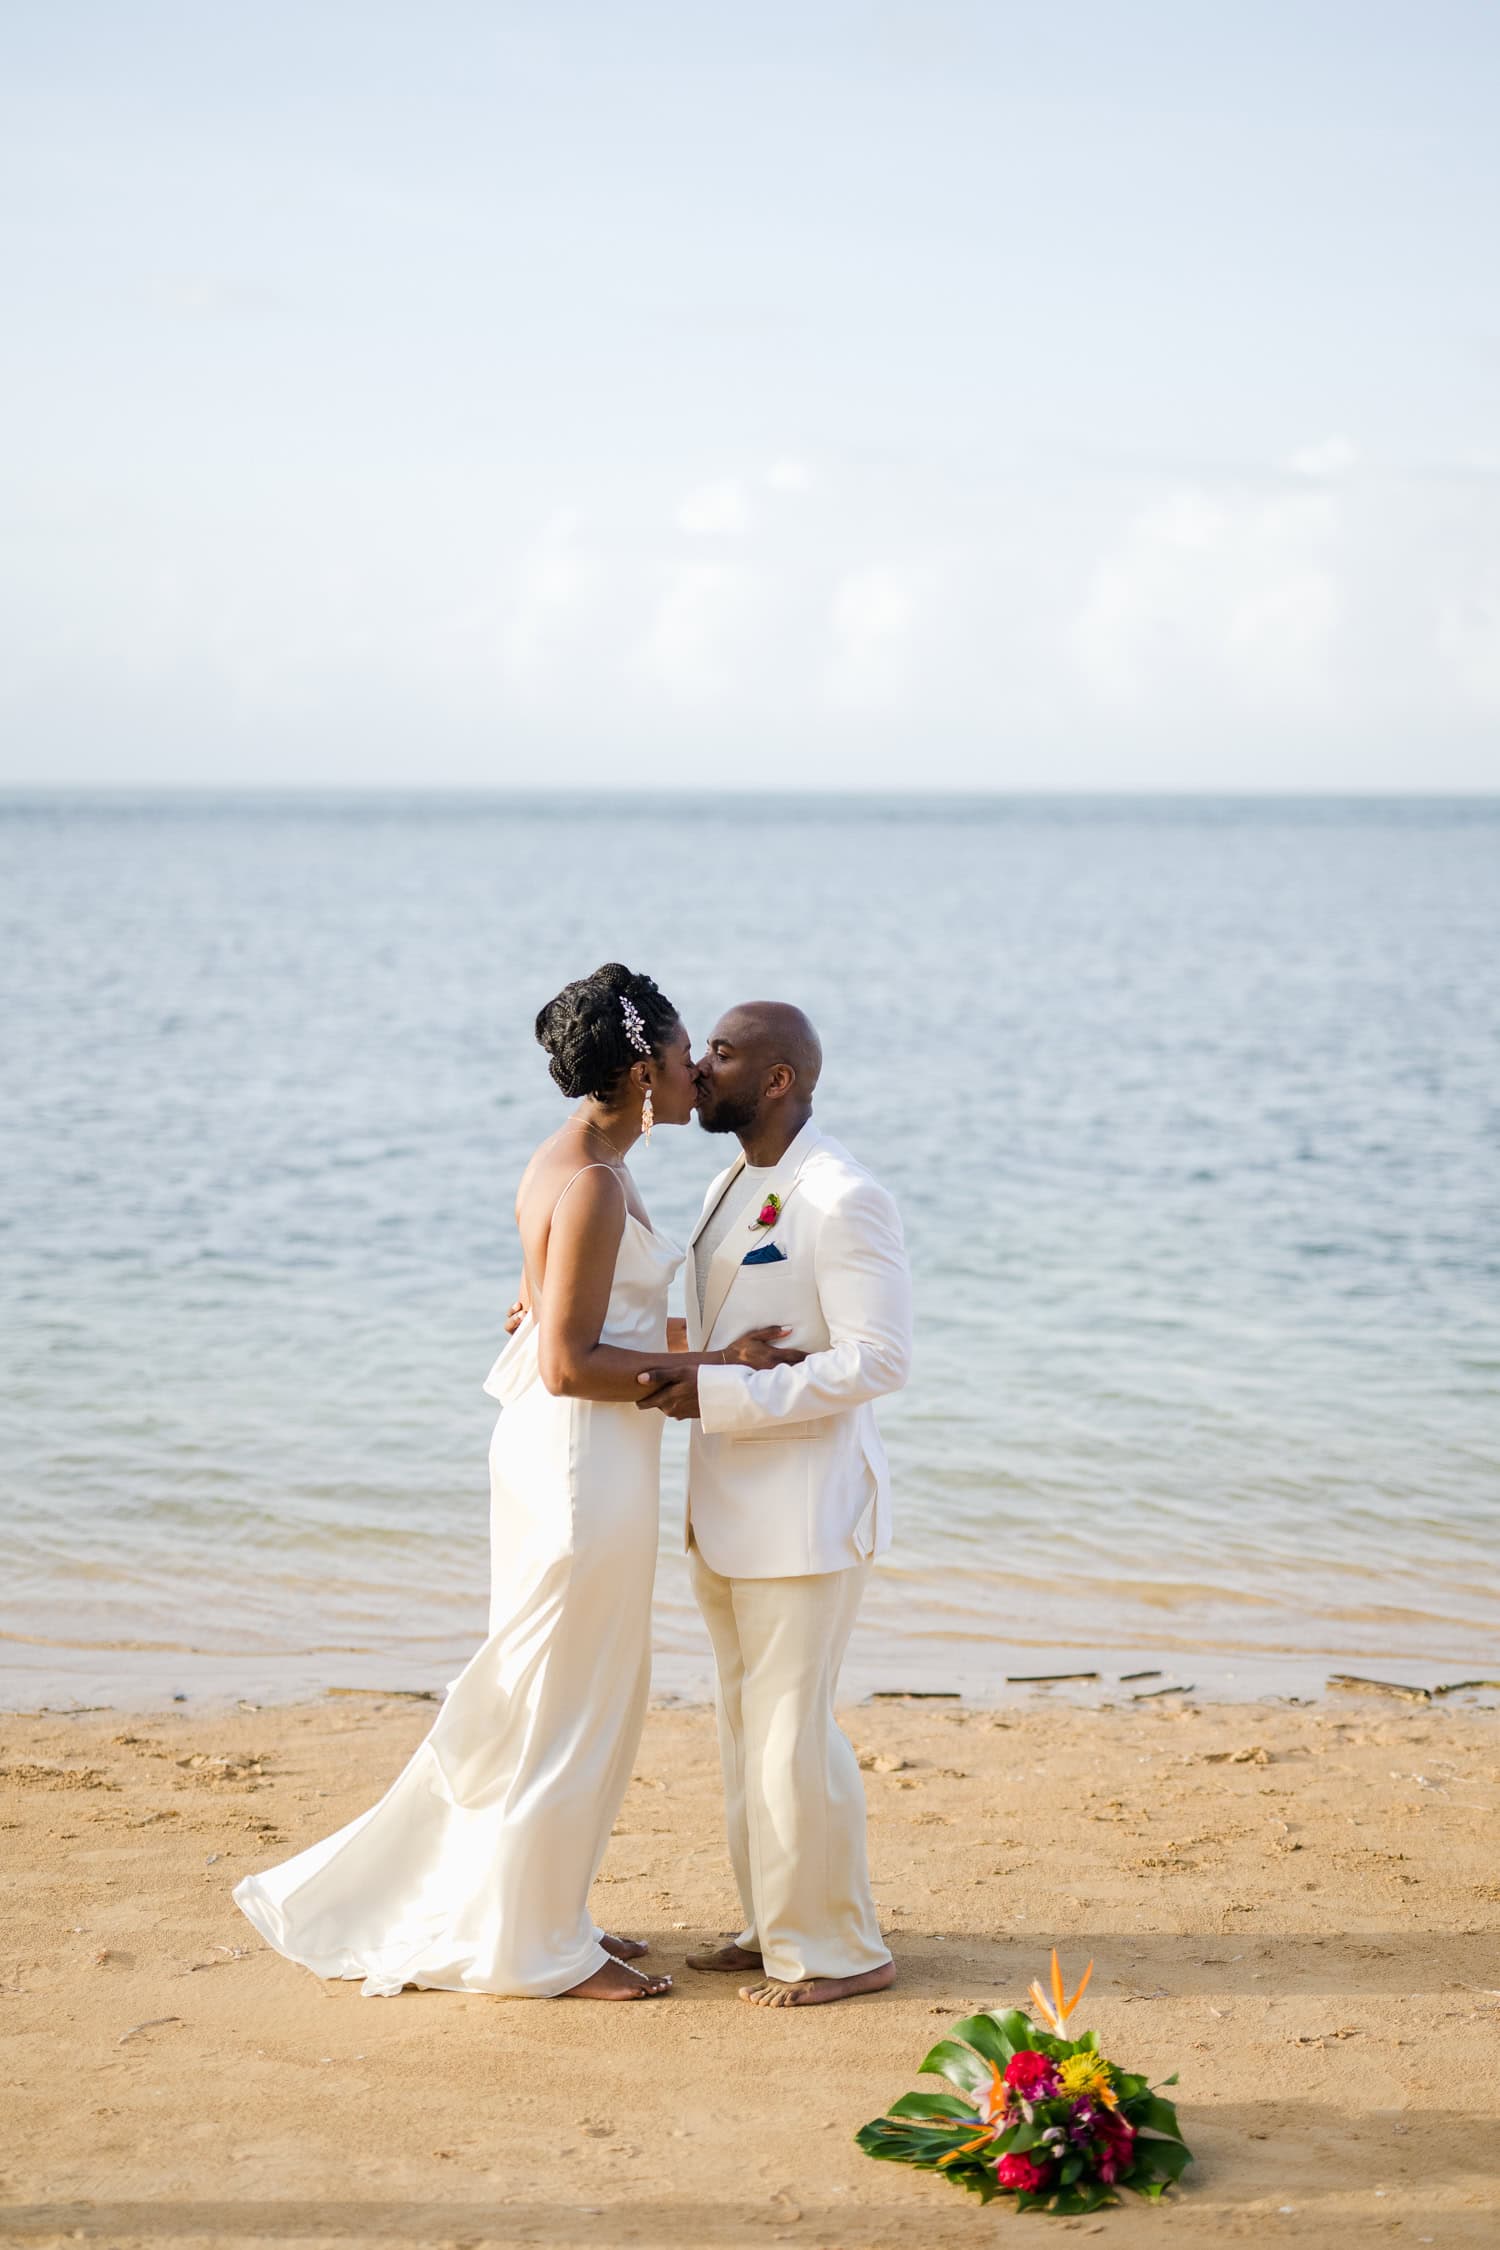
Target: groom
[(788, 1497)]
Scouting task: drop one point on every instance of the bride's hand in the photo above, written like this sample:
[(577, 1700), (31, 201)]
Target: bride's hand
[(518, 1312), (759, 1348)]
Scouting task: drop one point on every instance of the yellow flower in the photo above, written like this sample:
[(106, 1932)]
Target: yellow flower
[(1086, 2074)]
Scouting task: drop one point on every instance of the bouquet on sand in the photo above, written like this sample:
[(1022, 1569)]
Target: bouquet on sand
[(1034, 2114)]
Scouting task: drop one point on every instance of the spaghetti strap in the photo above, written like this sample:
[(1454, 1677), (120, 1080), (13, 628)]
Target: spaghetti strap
[(578, 1175), (552, 1214)]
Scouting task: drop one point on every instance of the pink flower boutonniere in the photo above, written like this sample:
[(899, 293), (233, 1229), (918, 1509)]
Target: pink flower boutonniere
[(769, 1213)]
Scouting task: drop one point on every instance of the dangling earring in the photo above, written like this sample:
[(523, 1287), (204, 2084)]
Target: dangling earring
[(648, 1116)]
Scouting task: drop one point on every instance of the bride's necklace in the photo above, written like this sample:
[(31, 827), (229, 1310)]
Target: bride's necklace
[(599, 1134)]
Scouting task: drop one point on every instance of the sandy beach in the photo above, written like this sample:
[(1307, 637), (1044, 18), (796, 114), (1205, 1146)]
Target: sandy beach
[(1298, 1908)]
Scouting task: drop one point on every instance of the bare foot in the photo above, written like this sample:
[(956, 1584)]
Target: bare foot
[(729, 1956), (624, 1948), (615, 1982), (816, 1992)]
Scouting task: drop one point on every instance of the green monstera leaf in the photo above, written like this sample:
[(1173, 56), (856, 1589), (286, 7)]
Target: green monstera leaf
[(996, 2037), (935, 2105), (960, 2065)]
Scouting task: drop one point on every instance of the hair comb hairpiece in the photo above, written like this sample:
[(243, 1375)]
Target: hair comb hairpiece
[(635, 1029)]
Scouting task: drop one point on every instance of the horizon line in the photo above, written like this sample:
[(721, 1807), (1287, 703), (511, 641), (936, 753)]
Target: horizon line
[(664, 790)]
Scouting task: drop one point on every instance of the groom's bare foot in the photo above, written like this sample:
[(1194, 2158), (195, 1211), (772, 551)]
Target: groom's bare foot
[(816, 1992), (614, 1981), (624, 1948), (729, 1956)]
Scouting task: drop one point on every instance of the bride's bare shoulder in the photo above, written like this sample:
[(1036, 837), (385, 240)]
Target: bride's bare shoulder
[(545, 1160), (553, 1166)]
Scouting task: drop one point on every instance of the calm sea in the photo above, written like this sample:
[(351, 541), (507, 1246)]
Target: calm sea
[(1192, 1108)]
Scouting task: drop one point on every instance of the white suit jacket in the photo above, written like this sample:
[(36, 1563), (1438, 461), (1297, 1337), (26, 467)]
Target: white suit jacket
[(786, 1472)]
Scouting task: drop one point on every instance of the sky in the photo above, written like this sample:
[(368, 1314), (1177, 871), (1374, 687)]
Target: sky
[(1069, 395)]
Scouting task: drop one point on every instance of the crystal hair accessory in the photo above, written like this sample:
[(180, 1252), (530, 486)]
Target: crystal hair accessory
[(635, 1029)]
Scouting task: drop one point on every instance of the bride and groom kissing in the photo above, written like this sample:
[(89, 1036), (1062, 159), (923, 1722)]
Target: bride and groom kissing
[(473, 1872)]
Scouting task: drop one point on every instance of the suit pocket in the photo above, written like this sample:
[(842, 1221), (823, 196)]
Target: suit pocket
[(778, 1434)]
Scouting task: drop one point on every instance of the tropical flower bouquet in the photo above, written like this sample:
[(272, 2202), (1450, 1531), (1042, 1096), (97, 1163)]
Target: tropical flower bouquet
[(1034, 2114)]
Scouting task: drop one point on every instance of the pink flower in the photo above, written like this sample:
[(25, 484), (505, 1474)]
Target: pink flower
[(1033, 2076), (767, 1215), (1119, 2146), (1020, 2173)]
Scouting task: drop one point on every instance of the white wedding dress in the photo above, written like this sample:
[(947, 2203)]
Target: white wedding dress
[(472, 1874)]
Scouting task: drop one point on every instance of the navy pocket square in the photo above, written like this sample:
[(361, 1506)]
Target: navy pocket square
[(769, 1254)]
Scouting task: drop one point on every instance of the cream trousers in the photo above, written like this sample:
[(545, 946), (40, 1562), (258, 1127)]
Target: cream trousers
[(793, 1796)]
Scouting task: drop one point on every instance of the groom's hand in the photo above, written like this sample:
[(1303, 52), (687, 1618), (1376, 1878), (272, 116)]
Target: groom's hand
[(674, 1390)]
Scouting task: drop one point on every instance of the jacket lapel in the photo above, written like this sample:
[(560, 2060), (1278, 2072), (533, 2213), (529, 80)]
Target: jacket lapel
[(717, 1191), (742, 1236)]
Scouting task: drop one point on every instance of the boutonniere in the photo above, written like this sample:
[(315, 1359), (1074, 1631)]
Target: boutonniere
[(769, 1213)]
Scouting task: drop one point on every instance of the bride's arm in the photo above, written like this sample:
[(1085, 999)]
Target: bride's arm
[(582, 1246)]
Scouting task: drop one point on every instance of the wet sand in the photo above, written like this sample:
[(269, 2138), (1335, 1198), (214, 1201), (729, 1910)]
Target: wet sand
[(1298, 1908)]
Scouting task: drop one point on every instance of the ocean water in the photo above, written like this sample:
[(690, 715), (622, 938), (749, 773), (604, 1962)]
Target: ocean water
[(1192, 1109)]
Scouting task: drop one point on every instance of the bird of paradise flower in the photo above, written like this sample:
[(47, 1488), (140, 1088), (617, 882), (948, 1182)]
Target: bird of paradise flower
[(1056, 2011)]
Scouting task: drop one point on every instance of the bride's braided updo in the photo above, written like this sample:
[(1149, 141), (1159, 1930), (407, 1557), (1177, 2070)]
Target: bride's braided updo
[(584, 1034)]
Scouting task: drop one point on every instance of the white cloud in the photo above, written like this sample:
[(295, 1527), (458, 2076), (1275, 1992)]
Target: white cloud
[(719, 510), (1213, 603), (552, 582), (1215, 632), (1468, 636), (871, 619), (789, 476), (1330, 457), (697, 634)]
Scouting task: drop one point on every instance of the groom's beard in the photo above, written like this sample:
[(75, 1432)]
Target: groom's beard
[(726, 1115)]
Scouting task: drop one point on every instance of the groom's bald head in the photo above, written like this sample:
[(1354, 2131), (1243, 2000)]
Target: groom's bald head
[(762, 1056), (773, 1031)]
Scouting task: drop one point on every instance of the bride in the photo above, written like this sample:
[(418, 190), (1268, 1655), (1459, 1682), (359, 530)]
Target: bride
[(472, 1873)]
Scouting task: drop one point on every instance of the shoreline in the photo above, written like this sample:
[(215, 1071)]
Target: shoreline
[(1295, 1906), (39, 1676)]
